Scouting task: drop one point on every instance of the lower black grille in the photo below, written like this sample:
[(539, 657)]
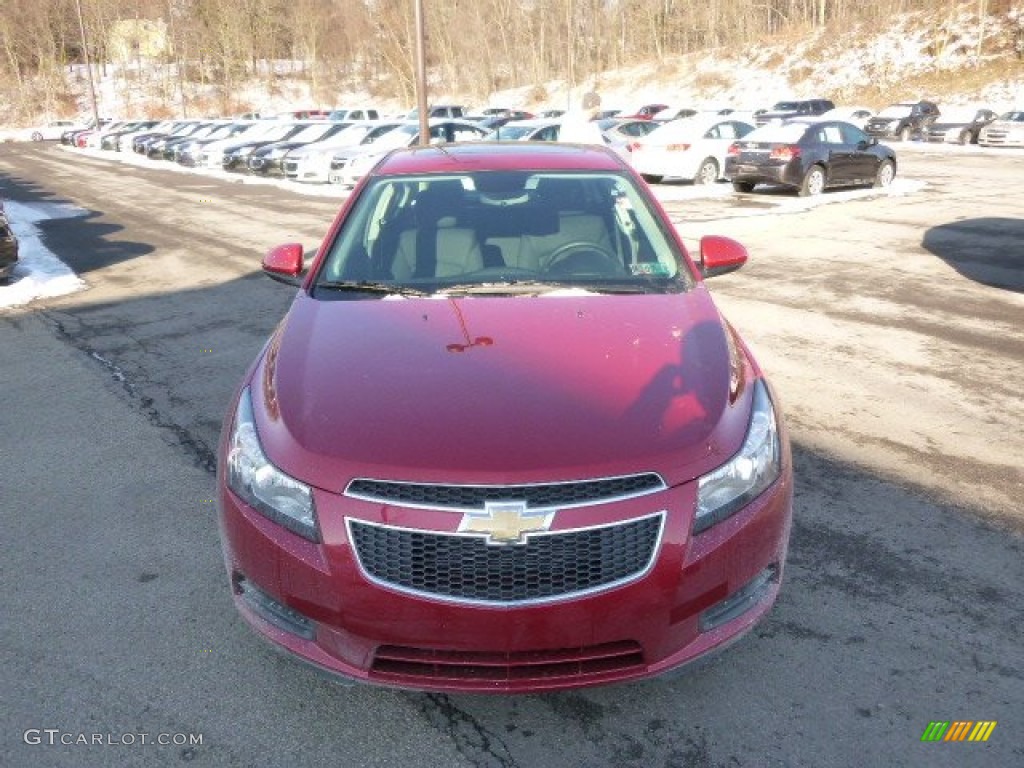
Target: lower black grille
[(465, 568), (484, 669)]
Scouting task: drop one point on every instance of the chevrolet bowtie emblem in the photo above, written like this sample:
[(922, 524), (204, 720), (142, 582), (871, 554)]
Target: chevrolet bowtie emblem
[(505, 522)]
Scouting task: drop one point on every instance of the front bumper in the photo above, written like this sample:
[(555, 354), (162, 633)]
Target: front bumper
[(319, 603)]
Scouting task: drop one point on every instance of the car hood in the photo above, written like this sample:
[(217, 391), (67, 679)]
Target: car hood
[(499, 389), (246, 145), (285, 145)]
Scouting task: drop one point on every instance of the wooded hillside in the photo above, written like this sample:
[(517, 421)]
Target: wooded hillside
[(475, 47)]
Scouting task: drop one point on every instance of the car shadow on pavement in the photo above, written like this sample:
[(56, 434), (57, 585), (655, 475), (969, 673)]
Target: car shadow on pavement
[(988, 250), (84, 239)]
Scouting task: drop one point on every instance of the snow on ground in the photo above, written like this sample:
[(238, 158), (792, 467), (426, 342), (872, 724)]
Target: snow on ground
[(39, 273)]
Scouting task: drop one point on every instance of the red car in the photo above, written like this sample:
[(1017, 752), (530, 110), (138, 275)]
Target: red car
[(503, 440)]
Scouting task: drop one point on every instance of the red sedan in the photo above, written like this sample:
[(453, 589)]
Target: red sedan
[(503, 440)]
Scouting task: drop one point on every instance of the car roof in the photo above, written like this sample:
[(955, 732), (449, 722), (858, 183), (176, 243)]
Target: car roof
[(695, 124), (497, 155)]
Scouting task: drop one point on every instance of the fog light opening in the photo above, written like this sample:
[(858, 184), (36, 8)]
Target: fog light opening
[(273, 612), (740, 601)]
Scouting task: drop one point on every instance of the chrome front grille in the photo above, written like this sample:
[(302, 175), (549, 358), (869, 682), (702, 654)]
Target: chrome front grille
[(464, 567), (535, 496)]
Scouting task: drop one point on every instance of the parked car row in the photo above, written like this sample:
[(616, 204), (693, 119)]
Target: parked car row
[(807, 152), (921, 120), (307, 150)]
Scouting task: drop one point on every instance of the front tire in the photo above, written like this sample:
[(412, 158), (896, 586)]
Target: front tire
[(885, 174), (904, 133), (813, 183), (651, 178), (708, 172), (36, 136)]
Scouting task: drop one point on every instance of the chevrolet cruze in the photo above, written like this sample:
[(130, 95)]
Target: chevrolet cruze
[(503, 440)]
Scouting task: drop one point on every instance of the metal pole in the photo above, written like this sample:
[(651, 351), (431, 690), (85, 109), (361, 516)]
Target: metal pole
[(421, 76), (88, 66), (569, 55)]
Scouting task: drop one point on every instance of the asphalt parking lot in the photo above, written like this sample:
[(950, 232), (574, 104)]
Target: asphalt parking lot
[(891, 323)]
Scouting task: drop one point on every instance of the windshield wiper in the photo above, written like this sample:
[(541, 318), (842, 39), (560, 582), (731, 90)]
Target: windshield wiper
[(500, 287), (370, 286)]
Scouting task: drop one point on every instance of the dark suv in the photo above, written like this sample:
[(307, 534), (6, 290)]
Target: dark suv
[(903, 120), (784, 110)]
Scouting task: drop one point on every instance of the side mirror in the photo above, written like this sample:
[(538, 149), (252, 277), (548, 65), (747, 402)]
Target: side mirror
[(284, 264), (720, 255)]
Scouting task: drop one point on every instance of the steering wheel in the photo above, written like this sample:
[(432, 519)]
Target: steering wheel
[(585, 258)]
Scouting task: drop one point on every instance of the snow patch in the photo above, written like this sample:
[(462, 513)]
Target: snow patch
[(39, 273)]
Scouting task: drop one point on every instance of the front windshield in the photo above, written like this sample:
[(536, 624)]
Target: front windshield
[(787, 106), (353, 134), (222, 131), (277, 133), (377, 131), (312, 132), (1013, 117), (502, 232), (510, 132), (402, 136)]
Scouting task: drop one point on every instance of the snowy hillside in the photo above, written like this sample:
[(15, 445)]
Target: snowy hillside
[(933, 55)]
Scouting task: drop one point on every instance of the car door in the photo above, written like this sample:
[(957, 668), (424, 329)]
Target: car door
[(863, 162), (838, 155), (716, 142)]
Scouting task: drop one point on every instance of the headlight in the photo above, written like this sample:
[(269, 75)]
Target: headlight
[(263, 486), (758, 463)]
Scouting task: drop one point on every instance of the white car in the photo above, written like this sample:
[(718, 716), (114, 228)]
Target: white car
[(348, 171), (312, 164), (52, 130), (1005, 131), (692, 148)]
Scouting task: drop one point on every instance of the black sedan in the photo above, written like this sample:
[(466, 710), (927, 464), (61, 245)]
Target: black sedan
[(809, 156)]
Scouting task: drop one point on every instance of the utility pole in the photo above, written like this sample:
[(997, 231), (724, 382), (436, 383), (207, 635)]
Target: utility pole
[(421, 76), (88, 66), (569, 54)]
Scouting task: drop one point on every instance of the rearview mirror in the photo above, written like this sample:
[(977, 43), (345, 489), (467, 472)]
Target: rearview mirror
[(720, 255), (284, 263)]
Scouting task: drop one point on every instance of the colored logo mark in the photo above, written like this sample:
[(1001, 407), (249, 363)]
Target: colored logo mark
[(959, 730)]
